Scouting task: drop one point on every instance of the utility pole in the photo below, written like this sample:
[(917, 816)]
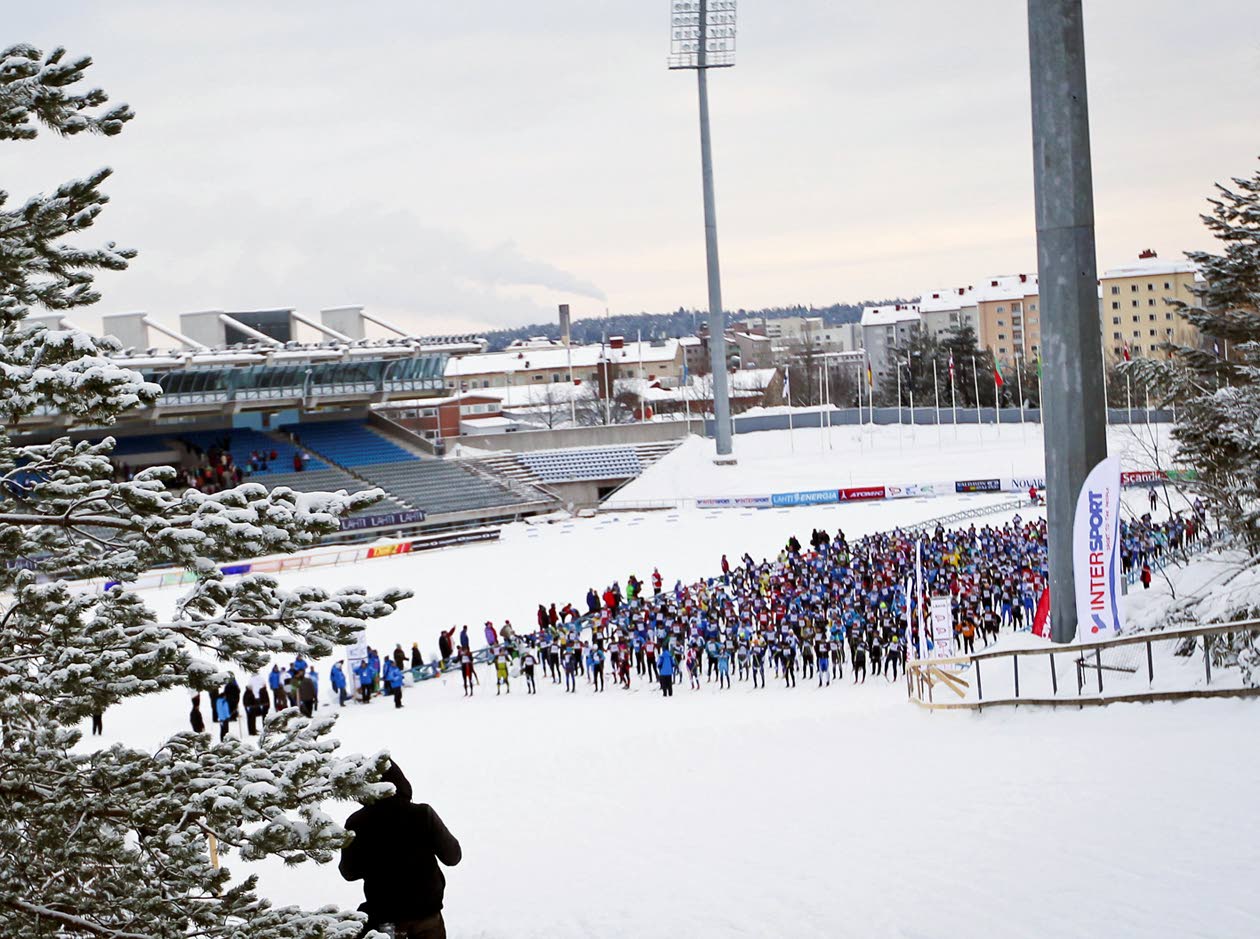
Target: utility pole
[(1074, 407)]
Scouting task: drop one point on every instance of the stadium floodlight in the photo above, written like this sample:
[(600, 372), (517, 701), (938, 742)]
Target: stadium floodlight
[(702, 36)]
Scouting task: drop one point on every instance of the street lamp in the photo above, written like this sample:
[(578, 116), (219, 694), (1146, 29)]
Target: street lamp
[(702, 36)]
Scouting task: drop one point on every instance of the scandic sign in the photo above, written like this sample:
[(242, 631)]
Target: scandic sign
[(1142, 477)]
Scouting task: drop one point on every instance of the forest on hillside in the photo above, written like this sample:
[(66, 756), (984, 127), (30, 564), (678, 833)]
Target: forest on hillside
[(681, 322)]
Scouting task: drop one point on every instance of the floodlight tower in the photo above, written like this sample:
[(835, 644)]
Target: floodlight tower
[(702, 36), (1073, 402)]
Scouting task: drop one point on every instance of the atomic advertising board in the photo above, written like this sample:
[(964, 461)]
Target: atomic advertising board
[(862, 493)]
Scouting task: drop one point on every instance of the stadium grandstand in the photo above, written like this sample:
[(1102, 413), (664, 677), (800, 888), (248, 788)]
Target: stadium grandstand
[(244, 399)]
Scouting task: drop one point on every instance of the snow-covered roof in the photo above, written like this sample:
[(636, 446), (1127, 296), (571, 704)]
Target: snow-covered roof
[(557, 357), (752, 379), (1146, 267), (890, 315), (1006, 287), (946, 299), (487, 423)]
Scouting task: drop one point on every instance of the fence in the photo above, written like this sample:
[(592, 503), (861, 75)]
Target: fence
[(1094, 673)]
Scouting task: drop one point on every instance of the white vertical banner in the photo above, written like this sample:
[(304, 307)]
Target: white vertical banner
[(1096, 554), (942, 624)]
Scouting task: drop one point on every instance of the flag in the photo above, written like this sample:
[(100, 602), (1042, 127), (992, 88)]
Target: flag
[(997, 375), (951, 368), (1039, 365), (1041, 621), (1127, 357), (870, 375), (1216, 348)]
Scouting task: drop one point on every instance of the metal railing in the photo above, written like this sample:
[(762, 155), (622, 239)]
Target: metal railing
[(1105, 672)]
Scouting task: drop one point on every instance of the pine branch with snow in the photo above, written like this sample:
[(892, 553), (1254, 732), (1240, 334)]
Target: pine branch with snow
[(116, 842)]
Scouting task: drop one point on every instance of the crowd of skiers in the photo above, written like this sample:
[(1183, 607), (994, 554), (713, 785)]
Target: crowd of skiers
[(807, 613), (297, 685), (1145, 541)]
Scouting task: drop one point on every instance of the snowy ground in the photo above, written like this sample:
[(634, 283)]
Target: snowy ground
[(811, 813)]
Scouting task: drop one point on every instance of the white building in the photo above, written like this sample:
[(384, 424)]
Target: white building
[(884, 327)]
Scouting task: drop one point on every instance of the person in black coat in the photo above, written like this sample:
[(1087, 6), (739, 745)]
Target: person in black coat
[(250, 701), (232, 691), (395, 852), (194, 716)]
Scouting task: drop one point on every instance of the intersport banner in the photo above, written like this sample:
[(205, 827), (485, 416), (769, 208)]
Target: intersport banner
[(1096, 554)]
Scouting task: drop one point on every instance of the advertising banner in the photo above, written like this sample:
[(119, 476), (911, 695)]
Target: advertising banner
[(862, 493), (815, 497), (942, 625), (383, 520), (1096, 553), (911, 490), (450, 541), (389, 550), (1142, 477), (1024, 483), (735, 502), (978, 485)]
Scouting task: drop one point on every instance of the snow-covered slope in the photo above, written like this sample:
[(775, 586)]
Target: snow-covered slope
[(774, 461), (803, 813)]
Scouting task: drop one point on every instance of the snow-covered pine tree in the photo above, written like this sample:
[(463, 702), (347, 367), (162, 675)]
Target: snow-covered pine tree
[(114, 843), (1217, 397)]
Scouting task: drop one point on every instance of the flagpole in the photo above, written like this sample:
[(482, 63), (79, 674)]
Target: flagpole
[(997, 397), (1128, 395), (975, 380), (1106, 400), (1019, 385), (936, 394), (822, 440), (898, 394), (827, 389), (787, 384), (910, 375), (953, 394)]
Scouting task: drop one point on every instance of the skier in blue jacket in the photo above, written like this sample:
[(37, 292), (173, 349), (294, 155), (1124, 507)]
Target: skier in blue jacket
[(338, 679), (394, 681), (223, 714), (665, 672)]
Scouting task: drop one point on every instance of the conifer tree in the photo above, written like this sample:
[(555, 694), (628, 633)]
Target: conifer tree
[(1215, 386), (114, 843)]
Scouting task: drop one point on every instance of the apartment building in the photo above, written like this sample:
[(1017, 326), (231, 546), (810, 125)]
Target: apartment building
[(1136, 306), (884, 327)]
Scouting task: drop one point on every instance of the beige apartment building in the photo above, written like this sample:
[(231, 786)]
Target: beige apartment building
[(1009, 316), (1136, 307)]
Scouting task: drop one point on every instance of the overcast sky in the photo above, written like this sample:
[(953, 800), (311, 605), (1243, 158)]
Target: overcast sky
[(470, 164)]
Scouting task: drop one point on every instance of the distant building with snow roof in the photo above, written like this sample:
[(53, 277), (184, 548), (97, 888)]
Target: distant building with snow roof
[(948, 309), (883, 329)]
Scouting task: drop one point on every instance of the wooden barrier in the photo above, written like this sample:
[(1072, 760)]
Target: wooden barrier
[(925, 675)]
